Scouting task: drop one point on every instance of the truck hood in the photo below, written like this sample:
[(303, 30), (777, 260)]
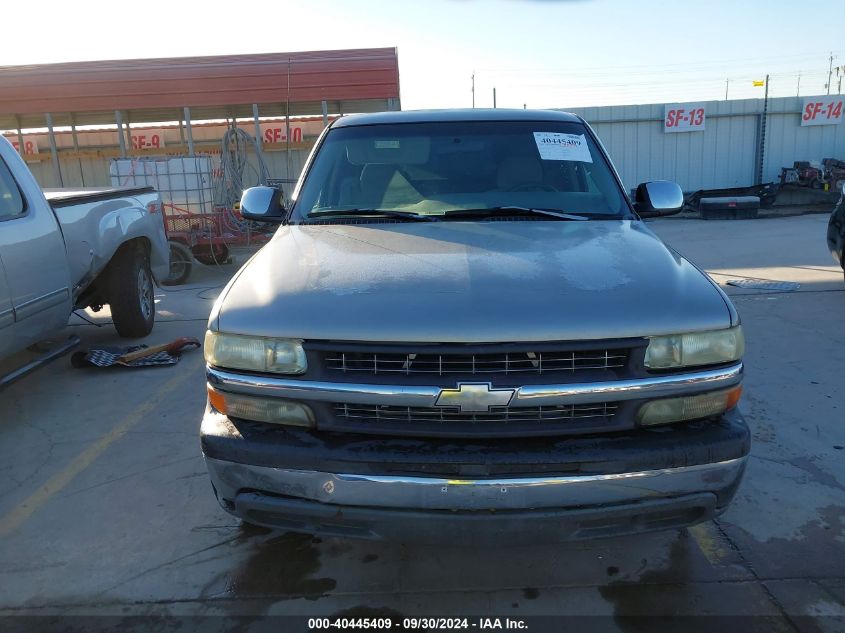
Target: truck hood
[(469, 282)]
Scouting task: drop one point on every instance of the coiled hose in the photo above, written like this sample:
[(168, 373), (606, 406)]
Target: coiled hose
[(239, 172)]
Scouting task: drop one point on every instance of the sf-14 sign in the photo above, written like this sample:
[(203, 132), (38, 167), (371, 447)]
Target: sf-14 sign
[(821, 110)]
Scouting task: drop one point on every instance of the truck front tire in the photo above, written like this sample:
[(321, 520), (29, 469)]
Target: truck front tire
[(131, 294)]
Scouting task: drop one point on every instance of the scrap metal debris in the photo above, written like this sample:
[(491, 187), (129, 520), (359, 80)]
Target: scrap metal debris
[(135, 356)]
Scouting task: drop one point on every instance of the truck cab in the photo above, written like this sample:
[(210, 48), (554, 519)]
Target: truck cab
[(464, 330), (30, 287)]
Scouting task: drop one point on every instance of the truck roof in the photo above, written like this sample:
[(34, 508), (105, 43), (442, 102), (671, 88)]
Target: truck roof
[(466, 114)]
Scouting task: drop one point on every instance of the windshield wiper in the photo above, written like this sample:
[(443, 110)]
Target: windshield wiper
[(358, 213), (514, 210)]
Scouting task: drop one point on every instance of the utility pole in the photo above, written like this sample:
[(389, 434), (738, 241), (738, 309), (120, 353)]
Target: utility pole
[(798, 89), (839, 74), (287, 128), (762, 148), (473, 88), (829, 72), (494, 96), (727, 82)]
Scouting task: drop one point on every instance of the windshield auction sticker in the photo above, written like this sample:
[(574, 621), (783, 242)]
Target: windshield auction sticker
[(558, 146)]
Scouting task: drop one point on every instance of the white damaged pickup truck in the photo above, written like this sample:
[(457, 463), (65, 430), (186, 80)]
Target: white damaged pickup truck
[(463, 330), (72, 250)]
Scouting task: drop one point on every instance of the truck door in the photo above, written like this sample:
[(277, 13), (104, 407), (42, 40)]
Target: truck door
[(32, 251), (7, 315)]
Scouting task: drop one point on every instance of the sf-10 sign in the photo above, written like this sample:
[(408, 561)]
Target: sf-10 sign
[(821, 110), (684, 118)]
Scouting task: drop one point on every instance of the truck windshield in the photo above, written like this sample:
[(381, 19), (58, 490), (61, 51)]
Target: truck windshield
[(437, 168)]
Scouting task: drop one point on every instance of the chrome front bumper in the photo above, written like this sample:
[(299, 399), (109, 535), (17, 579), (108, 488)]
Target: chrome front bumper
[(434, 493), (475, 511)]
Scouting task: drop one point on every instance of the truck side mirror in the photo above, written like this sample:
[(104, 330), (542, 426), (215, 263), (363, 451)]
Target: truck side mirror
[(658, 198), (263, 204)]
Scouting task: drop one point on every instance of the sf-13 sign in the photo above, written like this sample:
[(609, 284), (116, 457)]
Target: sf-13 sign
[(688, 117)]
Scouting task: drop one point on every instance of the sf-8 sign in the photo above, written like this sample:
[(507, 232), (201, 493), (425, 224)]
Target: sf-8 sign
[(687, 117), (821, 110)]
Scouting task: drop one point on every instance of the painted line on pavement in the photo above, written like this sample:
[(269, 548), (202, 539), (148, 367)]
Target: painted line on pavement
[(13, 520), (713, 551)]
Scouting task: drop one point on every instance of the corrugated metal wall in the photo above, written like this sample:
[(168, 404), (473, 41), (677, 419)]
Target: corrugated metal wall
[(786, 138), (723, 155), (95, 171)]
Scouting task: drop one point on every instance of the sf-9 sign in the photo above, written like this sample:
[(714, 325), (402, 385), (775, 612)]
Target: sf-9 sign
[(147, 139), (688, 117), (821, 111)]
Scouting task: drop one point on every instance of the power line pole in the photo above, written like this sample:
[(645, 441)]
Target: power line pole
[(829, 72), (494, 96), (727, 82), (473, 88), (798, 89), (287, 128), (762, 147)]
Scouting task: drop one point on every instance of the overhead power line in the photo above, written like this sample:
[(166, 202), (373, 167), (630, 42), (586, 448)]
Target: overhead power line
[(745, 62)]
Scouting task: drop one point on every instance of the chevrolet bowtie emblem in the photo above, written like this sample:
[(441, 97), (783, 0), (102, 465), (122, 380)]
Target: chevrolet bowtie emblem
[(474, 397)]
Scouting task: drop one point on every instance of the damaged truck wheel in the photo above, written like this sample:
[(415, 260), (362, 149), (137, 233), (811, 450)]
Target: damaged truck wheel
[(130, 293)]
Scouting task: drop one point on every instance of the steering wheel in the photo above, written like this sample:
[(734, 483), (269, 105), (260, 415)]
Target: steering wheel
[(532, 186)]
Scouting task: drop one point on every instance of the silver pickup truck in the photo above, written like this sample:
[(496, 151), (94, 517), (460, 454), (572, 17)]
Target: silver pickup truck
[(72, 250), (464, 330)]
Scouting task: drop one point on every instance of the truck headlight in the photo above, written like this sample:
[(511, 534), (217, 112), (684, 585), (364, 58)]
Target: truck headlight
[(696, 348), (703, 405), (255, 353)]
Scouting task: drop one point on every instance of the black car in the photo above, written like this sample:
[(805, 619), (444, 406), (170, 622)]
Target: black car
[(836, 230)]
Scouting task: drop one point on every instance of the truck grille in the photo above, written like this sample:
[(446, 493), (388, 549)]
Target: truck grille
[(449, 416), (520, 362)]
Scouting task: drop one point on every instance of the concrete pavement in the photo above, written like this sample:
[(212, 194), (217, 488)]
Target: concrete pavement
[(105, 510)]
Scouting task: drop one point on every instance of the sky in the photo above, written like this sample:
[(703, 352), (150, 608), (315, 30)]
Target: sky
[(536, 53)]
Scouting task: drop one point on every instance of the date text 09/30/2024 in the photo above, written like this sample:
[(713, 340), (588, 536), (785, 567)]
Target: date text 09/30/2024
[(412, 624)]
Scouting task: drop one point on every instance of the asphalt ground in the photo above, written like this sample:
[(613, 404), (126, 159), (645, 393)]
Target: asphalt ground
[(106, 509)]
